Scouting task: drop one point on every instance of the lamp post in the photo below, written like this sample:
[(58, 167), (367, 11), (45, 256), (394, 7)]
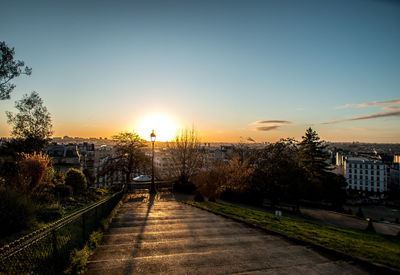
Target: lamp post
[(152, 186)]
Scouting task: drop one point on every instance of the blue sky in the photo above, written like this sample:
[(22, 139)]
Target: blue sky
[(221, 65)]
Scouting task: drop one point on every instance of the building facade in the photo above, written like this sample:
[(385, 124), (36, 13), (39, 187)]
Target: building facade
[(365, 175)]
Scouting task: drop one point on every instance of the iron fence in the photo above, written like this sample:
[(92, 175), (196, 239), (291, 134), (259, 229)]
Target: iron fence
[(47, 250)]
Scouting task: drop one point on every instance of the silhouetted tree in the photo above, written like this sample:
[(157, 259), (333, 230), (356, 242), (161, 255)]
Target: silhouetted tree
[(129, 156), (9, 69), (312, 154), (32, 126), (278, 176), (186, 155), (312, 158)]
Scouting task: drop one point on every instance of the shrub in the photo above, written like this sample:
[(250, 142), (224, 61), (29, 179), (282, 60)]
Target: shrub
[(32, 168), (198, 197), (76, 179), (78, 259), (58, 178), (17, 211), (52, 213), (211, 199), (186, 188), (63, 191)]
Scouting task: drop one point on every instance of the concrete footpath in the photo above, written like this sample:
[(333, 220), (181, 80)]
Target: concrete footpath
[(160, 235)]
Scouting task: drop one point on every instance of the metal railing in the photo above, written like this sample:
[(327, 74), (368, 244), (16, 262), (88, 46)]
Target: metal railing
[(47, 250)]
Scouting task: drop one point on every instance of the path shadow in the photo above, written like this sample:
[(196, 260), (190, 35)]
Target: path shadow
[(130, 266)]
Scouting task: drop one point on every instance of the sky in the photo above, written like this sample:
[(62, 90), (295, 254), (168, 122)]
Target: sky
[(236, 70)]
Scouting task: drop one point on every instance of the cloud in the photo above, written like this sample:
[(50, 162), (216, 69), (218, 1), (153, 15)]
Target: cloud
[(273, 122), (368, 104), (270, 124), (375, 103), (267, 128), (393, 108), (345, 106), (396, 112)]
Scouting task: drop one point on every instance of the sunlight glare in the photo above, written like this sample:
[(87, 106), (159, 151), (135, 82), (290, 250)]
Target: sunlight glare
[(164, 127)]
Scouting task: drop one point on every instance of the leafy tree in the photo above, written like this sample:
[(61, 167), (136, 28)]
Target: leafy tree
[(32, 124), (9, 69), (76, 179), (129, 157), (221, 177), (321, 185), (278, 176), (312, 155), (186, 155)]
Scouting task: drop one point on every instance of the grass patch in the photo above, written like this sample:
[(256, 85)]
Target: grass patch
[(372, 246)]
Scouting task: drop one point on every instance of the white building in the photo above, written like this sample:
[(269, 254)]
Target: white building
[(366, 175)]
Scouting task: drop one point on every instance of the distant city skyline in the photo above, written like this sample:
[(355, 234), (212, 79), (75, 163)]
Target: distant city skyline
[(236, 70)]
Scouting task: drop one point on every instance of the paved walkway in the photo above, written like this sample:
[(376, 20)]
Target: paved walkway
[(161, 235)]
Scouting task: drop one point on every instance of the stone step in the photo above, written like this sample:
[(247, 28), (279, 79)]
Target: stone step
[(156, 226), (190, 234), (144, 248), (219, 261)]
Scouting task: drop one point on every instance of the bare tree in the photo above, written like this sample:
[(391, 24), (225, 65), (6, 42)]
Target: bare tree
[(129, 156), (186, 155)]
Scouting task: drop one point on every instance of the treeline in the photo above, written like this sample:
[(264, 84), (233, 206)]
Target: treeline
[(285, 171)]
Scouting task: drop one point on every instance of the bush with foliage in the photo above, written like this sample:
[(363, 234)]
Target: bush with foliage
[(63, 191), (76, 179), (198, 197), (50, 213), (32, 168), (221, 177), (17, 211)]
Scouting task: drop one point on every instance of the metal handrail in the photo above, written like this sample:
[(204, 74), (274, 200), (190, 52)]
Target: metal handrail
[(41, 237), (42, 232)]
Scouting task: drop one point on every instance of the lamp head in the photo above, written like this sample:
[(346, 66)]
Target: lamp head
[(153, 136)]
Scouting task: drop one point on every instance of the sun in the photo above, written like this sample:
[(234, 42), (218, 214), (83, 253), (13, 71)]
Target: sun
[(164, 127)]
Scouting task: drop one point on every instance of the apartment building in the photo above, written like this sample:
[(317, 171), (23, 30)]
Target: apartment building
[(365, 175)]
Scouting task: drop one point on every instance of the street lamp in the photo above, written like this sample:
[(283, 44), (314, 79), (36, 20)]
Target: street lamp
[(152, 186)]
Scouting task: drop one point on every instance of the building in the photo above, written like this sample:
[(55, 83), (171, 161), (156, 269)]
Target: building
[(365, 175), (87, 153), (64, 157)]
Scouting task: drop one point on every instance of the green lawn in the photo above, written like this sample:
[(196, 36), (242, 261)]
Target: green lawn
[(375, 247)]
